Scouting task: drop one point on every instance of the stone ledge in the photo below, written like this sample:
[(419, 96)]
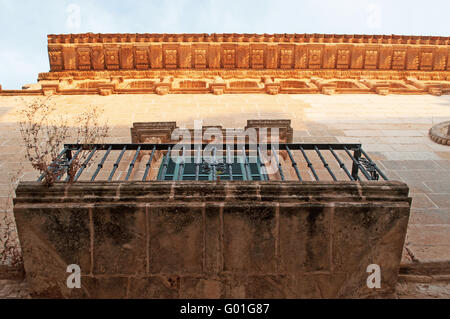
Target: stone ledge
[(433, 269), (160, 191)]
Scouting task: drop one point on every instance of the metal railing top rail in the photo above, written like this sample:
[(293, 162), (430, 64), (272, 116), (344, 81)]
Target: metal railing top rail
[(305, 154), (164, 147)]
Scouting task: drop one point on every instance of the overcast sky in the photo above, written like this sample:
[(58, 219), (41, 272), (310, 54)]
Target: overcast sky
[(24, 24)]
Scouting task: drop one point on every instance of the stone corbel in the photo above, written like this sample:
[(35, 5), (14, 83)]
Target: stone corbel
[(164, 87), (382, 90), (50, 89), (379, 88), (106, 89), (324, 86), (65, 82), (416, 83), (272, 88), (370, 83), (435, 89), (117, 81), (218, 86), (328, 89)]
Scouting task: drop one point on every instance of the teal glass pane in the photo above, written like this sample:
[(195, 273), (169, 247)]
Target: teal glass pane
[(238, 168)]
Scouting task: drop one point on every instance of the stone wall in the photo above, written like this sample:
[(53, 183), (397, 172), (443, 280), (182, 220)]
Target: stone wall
[(212, 239)]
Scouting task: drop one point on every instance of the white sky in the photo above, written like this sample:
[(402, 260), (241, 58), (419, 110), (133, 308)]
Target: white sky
[(24, 24)]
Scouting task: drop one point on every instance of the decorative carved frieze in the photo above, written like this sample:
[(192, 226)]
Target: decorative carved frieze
[(371, 58), (141, 52), (98, 57), (200, 57), (257, 56), (112, 58), (141, 58), (55, 56), (343, 58), (84, 58), (399, 60)]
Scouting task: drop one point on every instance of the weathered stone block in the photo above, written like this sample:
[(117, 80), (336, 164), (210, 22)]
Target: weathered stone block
[(175, 239), (104, 287), (118, 235), (304, 237), (365, 235), (199, 288), (249, 233), (213, 258), (52, 239), (155, 287)]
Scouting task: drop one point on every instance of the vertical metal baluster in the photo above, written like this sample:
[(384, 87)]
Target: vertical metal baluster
[(294, 164), (85, 164), (214, 165), (247, 165), (310, 165), (149, 164), (181, 171), (374, 165), (130, 170), (325, 164), (358, 166), (166, 164), (355, 167), (70, 163), (280, 169), (116, 164), (230, 162), (100, 165), (197, 162), (341, 165), (264, 174), (54, 163)]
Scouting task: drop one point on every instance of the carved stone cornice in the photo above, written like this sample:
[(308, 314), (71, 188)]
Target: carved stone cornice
[(243, 63), (112, 52), (244, 37)]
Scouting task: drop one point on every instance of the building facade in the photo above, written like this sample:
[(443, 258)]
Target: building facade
[(384, 92)]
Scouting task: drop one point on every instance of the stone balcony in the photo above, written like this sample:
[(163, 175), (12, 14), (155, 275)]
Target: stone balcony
[(212, 239)]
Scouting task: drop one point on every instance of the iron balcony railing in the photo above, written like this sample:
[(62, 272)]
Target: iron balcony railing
[(140, 162)]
